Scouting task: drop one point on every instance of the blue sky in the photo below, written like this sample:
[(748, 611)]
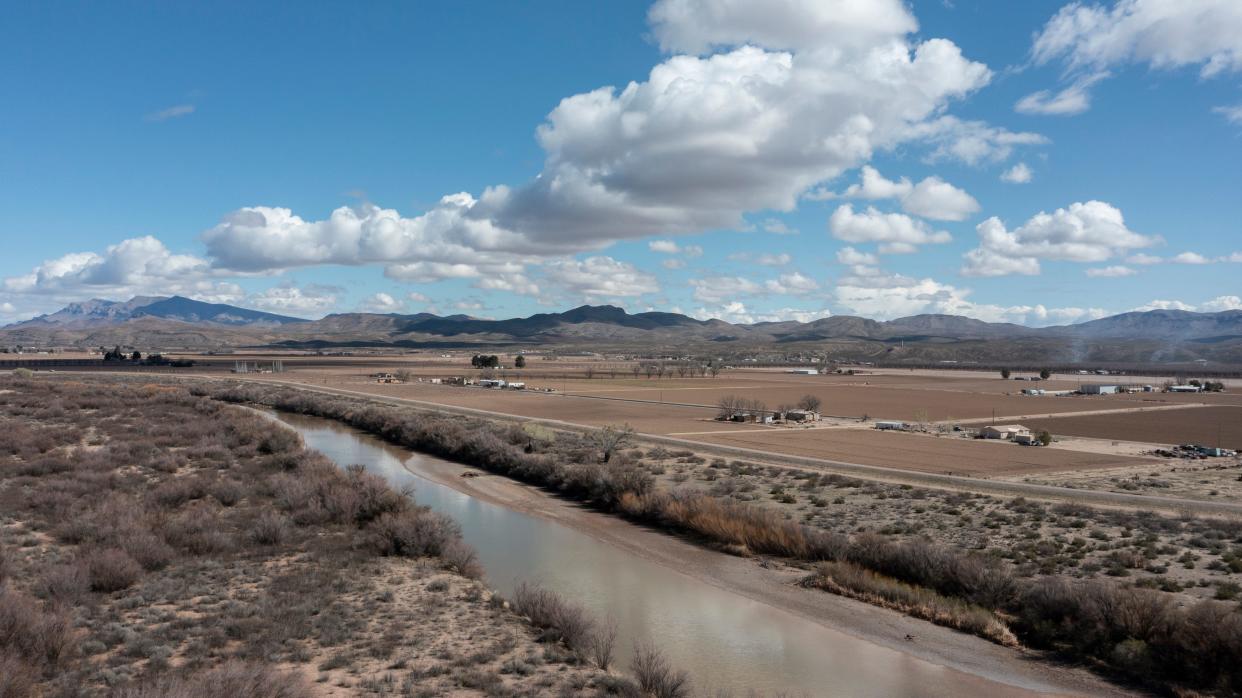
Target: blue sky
[(1030, 162)]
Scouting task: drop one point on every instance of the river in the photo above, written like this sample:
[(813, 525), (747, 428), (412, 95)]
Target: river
[(723, 640)]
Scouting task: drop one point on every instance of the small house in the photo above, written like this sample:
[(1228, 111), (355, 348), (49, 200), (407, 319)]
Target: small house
[(801, 416), (517, 386), (1003, 431)]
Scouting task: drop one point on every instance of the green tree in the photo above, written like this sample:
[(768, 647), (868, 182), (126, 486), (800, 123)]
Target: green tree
[(519, 362), (1005, 373), (1044, 438), (1045, 373)]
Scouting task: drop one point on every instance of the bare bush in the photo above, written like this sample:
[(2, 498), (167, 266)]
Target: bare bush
[(655, 675), (565, 622), (603, 642), (270, 528), (17, 677), (40, 637), (462, 559), (230, 680), (111, 570), (415, 532), (64, 584)]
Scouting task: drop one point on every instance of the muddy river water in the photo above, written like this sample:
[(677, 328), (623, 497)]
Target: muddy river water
[(723, 640)]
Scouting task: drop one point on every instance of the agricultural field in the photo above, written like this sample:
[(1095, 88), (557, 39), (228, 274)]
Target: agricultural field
[(920, 452), (1210, 426)]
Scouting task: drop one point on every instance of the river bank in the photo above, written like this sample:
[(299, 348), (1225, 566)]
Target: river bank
[(960, 664)]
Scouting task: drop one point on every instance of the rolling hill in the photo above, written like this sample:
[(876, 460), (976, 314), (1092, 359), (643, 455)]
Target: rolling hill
[(182, 323)]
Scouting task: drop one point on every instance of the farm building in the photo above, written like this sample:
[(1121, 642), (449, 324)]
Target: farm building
[(743, 417), (517, 386), (801, 416), (1185, 389), (386, 378), (491, 383), (805, 371), (1027, 440), (1004, 431), (1098, 389), (890, 426)]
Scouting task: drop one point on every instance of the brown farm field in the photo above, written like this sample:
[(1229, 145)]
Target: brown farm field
[(890, 396), (955, 455), (1200, 425)]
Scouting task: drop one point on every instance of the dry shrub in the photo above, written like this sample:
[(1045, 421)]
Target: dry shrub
[(147, 548), (415, 532), (655, 676), (64, 584), (227, 492), (42, 638), (847, 579), (234, 679), (733, 523), (100, 523), (270, 528), (559, 619), (196, 531), (111, 570), (603, 643), (17, 676), (171, 494), (375, 496), (462, 559)]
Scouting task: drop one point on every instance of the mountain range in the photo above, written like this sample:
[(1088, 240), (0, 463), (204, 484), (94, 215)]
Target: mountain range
[(176, 322)]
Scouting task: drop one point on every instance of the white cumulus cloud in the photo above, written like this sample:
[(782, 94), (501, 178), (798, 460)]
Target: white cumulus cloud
[(896, 232), (1018, 174), (931, 198), (1093, 231)]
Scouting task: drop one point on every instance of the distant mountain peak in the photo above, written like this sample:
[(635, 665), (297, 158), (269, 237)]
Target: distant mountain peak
[(100, 312)]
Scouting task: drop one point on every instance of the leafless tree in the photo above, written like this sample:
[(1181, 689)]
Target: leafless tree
[(810, 402), (611, 439)]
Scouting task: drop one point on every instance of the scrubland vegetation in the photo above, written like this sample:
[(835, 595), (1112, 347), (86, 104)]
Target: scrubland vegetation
[(156, 543), (1011, 595)]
